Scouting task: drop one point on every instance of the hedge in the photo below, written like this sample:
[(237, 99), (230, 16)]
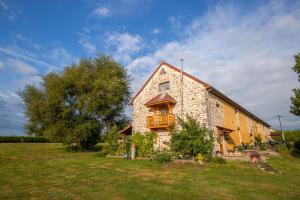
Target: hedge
[(23, 139)]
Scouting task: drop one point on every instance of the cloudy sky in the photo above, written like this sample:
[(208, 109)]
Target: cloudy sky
[(243, 48)]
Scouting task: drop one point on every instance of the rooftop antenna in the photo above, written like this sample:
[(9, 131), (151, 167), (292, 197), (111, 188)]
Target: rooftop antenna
[(181, 87)]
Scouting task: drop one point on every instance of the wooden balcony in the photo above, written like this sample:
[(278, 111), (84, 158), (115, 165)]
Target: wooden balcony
[(161, 121)]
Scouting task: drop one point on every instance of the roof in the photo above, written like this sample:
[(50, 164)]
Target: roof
[(161, 98), (127, 130), (208, 87)]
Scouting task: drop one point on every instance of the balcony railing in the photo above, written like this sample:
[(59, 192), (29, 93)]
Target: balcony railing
[(161, 121)]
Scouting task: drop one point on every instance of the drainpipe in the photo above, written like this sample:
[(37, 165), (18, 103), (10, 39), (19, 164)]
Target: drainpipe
[(181, 87), (208, 109)]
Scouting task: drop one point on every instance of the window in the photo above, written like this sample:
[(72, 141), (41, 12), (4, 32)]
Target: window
[(164, 86), (162, 71)]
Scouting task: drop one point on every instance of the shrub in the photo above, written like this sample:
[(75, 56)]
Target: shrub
[(144, 143), (71, 148), (263, 146), (25, 139), (102, 153), (258, 140), (161, 156), (127, 144), (297, 145), (281, 148), (111, 138), (295, 153), (192, 139), (240, 148), (218, 160)]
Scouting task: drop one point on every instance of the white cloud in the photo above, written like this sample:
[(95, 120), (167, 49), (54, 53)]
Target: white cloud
[(1, 65), (124, 45), (156, 31), (22, 67), (85, 42), (61, 56), (3, 5), (102, 12), (24, 55), (248, 56), (19, 36)]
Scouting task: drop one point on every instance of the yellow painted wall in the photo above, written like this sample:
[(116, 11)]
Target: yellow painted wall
[(245, 135), (230, 122), (234, 118)]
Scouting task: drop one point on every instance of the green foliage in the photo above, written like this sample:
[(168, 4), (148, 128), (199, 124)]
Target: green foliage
[(111, 137), (263, 146), (281, 148), (127, 144), (218, 160), (161, 156), (192, 139), (290, 136), (79, 103), (297, 145), (241, 148), (71, 148), (200, 157), (144, 143), (21, 139), (295, 100), (102, 153), (257, 140)]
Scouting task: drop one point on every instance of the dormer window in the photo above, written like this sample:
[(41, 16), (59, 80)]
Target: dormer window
[(164, 86)]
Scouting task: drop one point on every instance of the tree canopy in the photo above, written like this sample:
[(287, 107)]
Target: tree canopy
[(78, 104), (295, 107)]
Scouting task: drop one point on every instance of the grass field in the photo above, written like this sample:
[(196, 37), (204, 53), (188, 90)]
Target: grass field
[(45, 171)]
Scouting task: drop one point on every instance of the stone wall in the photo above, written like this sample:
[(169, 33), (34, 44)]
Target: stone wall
[(194, 101)]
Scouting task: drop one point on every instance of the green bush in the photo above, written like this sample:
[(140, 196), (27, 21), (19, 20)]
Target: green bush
[(199, 157), (127, 144), (71, 148), (102, 153), (297, 145), (281, 148), (192, 139), (111, 138), (218, 160), (295, 153), (263, 146), (161, 156), (21, 139), (144, 143)]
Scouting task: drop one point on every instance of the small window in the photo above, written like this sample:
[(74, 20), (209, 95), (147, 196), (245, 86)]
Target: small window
[(164, 86), (162, 71)]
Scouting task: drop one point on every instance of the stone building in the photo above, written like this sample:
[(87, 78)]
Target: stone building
[(170, 93)]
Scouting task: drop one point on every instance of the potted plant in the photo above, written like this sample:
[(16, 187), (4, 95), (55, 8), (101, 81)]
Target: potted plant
[(254, 157)]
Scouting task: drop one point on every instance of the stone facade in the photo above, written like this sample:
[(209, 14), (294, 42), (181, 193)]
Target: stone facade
[(210, 110), (194, 101)]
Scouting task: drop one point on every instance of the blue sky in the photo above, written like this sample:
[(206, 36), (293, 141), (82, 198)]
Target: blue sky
[(243, 48)]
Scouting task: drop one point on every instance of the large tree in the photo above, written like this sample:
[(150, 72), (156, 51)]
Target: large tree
[(78, 104), (295, 107)]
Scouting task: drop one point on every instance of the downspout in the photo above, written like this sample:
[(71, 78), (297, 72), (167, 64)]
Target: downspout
[(181, 90), (208, 109), (209, 117)]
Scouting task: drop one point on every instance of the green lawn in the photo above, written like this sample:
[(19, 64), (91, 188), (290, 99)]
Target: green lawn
[(45, 171)]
